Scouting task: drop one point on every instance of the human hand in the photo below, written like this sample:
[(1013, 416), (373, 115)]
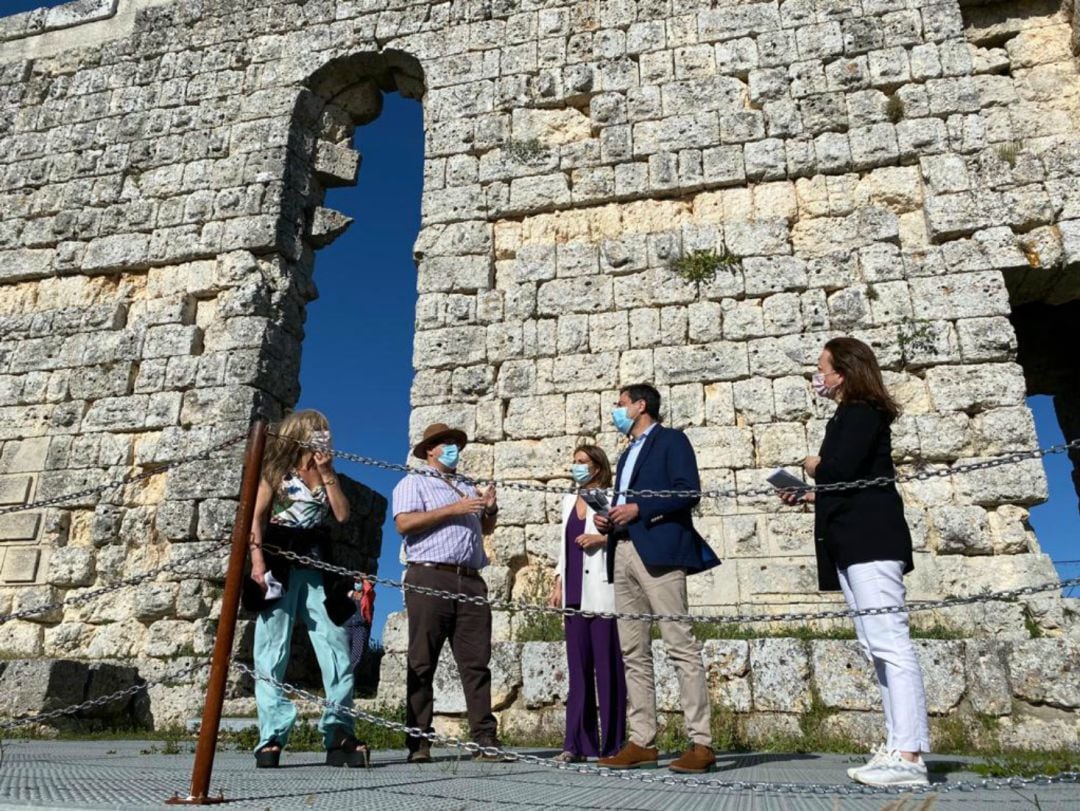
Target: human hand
[(794, 498), (470, 505), (810, 465), (555, 597), (588, 541), (602, 522), (258, 574), (624, 514), (324, 463)]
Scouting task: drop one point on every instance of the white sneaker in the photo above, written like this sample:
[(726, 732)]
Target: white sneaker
[(877, 755), (893, 770)]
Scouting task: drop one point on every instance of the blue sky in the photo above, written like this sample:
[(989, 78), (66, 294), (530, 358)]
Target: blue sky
[(357, 361)]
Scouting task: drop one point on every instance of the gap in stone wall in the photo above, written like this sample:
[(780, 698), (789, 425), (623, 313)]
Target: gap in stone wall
[(342, 96), (1045, 334)]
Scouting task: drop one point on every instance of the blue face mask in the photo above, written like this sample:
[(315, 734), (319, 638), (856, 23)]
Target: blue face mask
[(622, 420), (580, 473), (449, 456)]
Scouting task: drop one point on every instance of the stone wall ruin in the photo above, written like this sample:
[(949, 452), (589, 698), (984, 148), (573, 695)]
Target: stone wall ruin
[(902, 171)]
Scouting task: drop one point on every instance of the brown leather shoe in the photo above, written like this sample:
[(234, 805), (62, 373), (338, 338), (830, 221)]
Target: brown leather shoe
[(697, 759), (631, 756)]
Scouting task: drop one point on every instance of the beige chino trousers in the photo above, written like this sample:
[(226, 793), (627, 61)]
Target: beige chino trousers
[(658, 591)]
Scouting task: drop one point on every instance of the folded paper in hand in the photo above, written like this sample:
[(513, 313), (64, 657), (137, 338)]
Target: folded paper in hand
[(597, 500), (273, 587), (782, 480)]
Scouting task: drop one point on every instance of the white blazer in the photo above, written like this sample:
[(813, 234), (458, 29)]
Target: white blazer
[(596, 593)]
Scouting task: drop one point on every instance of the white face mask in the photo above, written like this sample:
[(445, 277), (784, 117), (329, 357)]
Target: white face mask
[(821, 387)]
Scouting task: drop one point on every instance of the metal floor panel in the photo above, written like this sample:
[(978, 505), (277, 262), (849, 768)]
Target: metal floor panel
[(134, 775)]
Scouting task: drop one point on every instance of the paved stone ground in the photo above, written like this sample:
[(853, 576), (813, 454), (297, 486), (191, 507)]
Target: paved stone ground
[(134, 775)]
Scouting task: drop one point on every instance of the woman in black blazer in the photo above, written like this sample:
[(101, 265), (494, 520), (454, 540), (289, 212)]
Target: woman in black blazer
[(864, 549)]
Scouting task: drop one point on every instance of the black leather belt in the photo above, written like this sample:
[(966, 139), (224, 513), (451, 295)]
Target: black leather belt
[(463, 571)]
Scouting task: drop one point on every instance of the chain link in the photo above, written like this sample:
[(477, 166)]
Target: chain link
[(93, 594), (515, 606), (1011, 458), (101, 701), (154, 470), (755, 786)]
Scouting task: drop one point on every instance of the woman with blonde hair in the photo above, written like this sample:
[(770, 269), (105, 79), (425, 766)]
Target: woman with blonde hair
[(594, 660), (863, 549), (298, 491)]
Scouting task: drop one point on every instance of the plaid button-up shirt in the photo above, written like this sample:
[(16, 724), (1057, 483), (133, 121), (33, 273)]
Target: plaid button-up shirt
[(458, 540)]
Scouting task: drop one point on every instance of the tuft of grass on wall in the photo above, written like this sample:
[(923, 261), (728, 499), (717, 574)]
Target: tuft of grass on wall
[(703, 265), (894, 108)]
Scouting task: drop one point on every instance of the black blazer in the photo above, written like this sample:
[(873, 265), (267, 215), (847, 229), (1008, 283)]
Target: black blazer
[(857, 526)]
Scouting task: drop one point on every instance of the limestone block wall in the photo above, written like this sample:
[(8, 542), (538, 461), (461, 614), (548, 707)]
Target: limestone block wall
[(67, 15), (1017, 694), (902, 171)]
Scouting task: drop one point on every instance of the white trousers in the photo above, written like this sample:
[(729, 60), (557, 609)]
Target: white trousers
[(886, 642)]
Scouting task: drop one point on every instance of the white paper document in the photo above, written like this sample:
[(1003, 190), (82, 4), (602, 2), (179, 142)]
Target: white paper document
[(273, 586)]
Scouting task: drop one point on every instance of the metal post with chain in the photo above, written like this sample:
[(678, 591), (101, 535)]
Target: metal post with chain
[(203, 766)]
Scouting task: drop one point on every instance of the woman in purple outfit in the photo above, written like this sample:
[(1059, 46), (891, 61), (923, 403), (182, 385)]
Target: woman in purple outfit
[(597, 680)]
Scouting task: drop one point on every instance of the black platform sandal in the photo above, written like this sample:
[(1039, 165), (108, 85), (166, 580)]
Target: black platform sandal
[(347, 751), (267, 758)]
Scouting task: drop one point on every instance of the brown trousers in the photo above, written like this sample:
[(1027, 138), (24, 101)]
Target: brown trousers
[(433, 621)]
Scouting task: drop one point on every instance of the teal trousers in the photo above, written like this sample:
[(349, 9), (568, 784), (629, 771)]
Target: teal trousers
[(303, 601)]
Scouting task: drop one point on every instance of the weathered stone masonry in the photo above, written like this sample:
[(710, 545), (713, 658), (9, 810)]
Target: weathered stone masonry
[(903, 171)]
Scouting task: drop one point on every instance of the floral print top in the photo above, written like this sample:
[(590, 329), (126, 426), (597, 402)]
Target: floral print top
[(297, 506)]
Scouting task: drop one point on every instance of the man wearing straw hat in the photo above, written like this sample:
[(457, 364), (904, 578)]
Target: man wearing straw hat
[(443, 522)]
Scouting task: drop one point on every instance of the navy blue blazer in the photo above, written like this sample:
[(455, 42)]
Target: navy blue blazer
[(664, 533)]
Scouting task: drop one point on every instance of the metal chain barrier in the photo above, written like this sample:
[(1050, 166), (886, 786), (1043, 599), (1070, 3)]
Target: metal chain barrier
[(93, 594), (536, 608), (154, 470), (757, 787), (1011, 458), (100, 701)]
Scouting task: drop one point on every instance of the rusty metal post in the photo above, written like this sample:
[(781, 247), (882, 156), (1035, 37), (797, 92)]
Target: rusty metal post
[(226, 628)]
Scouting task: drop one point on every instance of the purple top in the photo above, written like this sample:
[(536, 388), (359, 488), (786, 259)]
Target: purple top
[(575, 559), (458, 540)]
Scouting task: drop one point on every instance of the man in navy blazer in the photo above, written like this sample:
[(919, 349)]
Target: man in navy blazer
[(652, 547)]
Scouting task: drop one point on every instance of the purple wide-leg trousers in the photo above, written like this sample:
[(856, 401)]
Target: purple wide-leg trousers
[(597, 686)]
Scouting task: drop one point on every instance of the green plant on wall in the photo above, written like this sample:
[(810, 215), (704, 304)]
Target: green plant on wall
[(536, 626), (527, 151), (916, 338), (1009, 152), (703, 265), (894, 109)]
